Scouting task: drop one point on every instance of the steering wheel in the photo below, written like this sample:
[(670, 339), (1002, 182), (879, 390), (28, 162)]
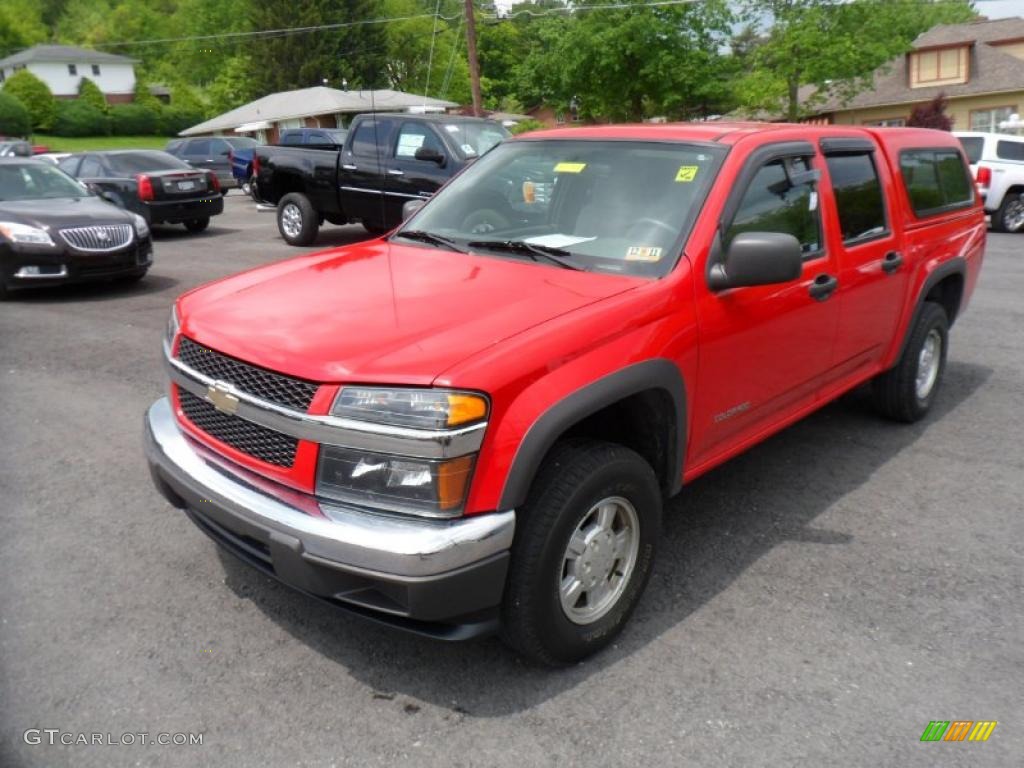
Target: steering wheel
[(652, 223), (484, 220)]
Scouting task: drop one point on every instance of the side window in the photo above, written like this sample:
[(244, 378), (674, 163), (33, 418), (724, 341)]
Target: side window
[(1010, 150), (364, 142), (773, 204), (412, 137), (198, 148), (91, 168), (858, 196), (70, 165), (936, 180)]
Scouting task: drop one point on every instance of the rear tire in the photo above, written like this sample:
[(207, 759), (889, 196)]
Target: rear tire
[(297, 221), (197, 225), (906, 391), (583, 551), (1010, 216)]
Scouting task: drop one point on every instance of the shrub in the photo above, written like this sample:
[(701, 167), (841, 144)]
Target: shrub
[(36, 96), (177, 119), (14, 118), (90, 93), (931, 115), (134, 120), (78, 118), (526, 125)]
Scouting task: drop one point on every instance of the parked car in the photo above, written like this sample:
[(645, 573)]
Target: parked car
[(315, 138), (208, 153), (387, 159), (472, 425), (54, 230), (997, 162), (15, 148), (158, 186)]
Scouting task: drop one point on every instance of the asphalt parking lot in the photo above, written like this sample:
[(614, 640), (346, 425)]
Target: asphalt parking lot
[(817, 601)]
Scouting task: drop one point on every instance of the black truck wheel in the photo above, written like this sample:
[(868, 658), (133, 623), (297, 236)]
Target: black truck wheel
[(197, 225), (583, 551), (297, 220), (376, 229), (907, 390)]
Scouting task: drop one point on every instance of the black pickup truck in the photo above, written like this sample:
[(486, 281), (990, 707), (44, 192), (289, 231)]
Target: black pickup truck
[(387, 160)]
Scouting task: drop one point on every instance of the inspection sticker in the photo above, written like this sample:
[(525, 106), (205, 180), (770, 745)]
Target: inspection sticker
[(570, 167), (686, 173), (643, 253)]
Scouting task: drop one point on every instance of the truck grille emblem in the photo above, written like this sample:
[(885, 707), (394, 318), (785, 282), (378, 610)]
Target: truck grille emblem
[(220, 394)]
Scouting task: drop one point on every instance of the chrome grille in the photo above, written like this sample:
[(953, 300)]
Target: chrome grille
[(258, 382), (259, 442), (99, 238)]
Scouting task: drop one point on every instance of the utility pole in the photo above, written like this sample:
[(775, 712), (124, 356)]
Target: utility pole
[(474, 62)]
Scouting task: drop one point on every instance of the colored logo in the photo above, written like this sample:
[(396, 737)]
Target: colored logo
[(958, 730)]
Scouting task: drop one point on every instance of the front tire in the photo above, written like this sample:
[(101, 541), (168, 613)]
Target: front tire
[(376, 229), (195, 226), (906, 391), (297, 221), (582, 553), (1010, 216)]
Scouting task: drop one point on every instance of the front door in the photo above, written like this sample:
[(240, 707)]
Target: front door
[(764, 349), (412, 179)]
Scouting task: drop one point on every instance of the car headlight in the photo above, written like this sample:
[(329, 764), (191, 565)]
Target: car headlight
[(173, 324), (141, 227), (24, 234), (418, 408)]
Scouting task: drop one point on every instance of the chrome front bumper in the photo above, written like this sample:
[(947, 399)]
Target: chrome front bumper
[(404, 570)]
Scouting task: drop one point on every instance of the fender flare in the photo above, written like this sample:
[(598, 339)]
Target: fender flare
[(955, 266), (555, 421)]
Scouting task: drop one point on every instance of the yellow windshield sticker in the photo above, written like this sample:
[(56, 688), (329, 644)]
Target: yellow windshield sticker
[(686, 173), (643, 253), (570, 167)]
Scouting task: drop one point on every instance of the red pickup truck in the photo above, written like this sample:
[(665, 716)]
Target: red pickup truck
[(472, 425)]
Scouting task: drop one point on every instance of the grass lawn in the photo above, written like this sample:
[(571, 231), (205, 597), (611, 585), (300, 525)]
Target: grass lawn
[(89, 143)]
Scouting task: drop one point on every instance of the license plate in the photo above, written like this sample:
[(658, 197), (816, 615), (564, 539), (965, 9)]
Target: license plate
[(185, 186)]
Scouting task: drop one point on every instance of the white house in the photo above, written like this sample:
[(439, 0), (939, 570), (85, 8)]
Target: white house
[(62, 68)]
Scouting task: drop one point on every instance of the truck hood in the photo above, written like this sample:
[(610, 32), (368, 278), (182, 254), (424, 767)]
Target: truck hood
[(379, 312)]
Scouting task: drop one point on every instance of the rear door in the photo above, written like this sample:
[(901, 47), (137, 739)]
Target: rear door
[(361, 172), (409, 178), (872, 273)]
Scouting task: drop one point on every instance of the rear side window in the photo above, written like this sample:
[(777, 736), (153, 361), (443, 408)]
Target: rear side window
[(1010, 150), (858, 196), (771, 204), (368, 134), (936, 180), (973, 145)]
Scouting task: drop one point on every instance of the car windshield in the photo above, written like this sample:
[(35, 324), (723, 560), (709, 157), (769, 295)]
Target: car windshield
[(37, 181), (241, 142), (474, 139), (972, 146), (605, 206), (130, 163)]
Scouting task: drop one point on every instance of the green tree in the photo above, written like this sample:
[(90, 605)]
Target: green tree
[(832, 45), (232, 87), (14, 118), (424, 56), (90, 93), (36, 96), (21, 25)]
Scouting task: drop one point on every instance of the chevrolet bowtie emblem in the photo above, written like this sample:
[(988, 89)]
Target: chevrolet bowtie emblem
[(220, 394)]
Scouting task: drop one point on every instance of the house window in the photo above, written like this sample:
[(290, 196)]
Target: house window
[(988, 120), (72, 70), (96, 70), (888, 122), (945, 66)]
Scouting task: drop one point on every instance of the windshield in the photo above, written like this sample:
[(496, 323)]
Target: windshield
[(36, 181), (972, 146), (474, 139), (130, 163), (604, 206)]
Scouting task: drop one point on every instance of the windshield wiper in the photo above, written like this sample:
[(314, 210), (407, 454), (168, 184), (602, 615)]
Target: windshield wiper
[(429, 237), (533, 250)]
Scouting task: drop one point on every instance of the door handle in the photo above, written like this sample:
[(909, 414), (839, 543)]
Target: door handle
[(395, 172), (347, 167), (892, 261), (823, 286)]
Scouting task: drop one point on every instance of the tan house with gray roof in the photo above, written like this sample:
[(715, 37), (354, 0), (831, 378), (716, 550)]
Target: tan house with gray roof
[(978, 66)]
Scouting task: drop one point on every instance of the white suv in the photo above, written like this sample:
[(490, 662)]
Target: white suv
[(997, 162)]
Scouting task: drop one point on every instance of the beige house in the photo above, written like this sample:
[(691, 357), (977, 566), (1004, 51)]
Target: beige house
[(978, 66)]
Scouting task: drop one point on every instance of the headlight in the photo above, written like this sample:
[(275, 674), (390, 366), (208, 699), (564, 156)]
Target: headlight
[(418, 408), (22, 233), (141, 227), (436, 488), (172, 326)]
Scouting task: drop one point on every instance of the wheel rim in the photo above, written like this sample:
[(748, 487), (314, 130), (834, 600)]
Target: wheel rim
[(291, 220), (599, 560), (1013, 218), (928, 364)]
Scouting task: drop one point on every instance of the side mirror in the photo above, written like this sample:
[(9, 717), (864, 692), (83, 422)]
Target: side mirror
[(430, 155), (757, 258), (410, 207)]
